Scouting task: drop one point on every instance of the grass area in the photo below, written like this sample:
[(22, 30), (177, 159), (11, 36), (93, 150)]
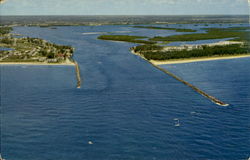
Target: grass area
[(5, 30), (163, 28), (204, 51), (126, 38), (213, 33)]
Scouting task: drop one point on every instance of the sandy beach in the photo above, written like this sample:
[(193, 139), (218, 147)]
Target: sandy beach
[(37, 63), (66, 63), (190, 60)]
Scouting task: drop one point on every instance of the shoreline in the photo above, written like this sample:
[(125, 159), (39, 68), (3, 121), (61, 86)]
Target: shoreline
[(67, 62), (200, 59), (37, 64)]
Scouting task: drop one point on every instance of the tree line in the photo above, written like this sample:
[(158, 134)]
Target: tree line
[(205, 51)]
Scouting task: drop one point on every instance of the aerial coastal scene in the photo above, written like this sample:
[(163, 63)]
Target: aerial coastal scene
[(135, 80)]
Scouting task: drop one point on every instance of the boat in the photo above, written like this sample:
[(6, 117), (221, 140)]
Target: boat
[(1, 157)]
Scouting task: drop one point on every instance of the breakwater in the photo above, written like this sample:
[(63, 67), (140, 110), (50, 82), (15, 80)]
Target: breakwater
[(78, 75), (213, 99)]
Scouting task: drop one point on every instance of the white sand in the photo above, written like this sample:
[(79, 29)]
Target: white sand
[(190, 60)]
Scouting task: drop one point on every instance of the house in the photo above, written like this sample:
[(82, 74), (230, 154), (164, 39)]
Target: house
[(53, 60)]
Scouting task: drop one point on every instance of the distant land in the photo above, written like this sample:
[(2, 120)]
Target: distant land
[(155, 48), (116, 20)]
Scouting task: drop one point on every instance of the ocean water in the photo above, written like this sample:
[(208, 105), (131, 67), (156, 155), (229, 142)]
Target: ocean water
[(126, 108)]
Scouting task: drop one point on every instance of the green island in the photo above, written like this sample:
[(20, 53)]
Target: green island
[(203, 51), (126, 38), (163, 28), (32, 50), (153, 49), (212, 33)]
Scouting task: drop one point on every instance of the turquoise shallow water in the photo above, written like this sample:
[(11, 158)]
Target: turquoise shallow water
[(126, 108)]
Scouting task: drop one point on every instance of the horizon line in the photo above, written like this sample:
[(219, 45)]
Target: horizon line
[(140, 15)]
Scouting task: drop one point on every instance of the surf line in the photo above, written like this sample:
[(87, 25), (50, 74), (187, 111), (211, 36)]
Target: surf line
[(78, 75), (211, 98)]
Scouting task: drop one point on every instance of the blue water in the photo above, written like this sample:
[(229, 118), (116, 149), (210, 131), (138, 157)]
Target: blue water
[(126, 108), (5, 49)]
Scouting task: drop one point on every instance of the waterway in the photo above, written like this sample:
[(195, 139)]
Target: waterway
[(126, 109)]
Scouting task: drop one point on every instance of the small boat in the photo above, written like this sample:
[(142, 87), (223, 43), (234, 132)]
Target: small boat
[(1, 157)]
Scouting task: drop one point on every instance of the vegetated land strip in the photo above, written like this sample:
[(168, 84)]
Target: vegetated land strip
[(126, 38), (165, 28), (161, 54), (212, 33)]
